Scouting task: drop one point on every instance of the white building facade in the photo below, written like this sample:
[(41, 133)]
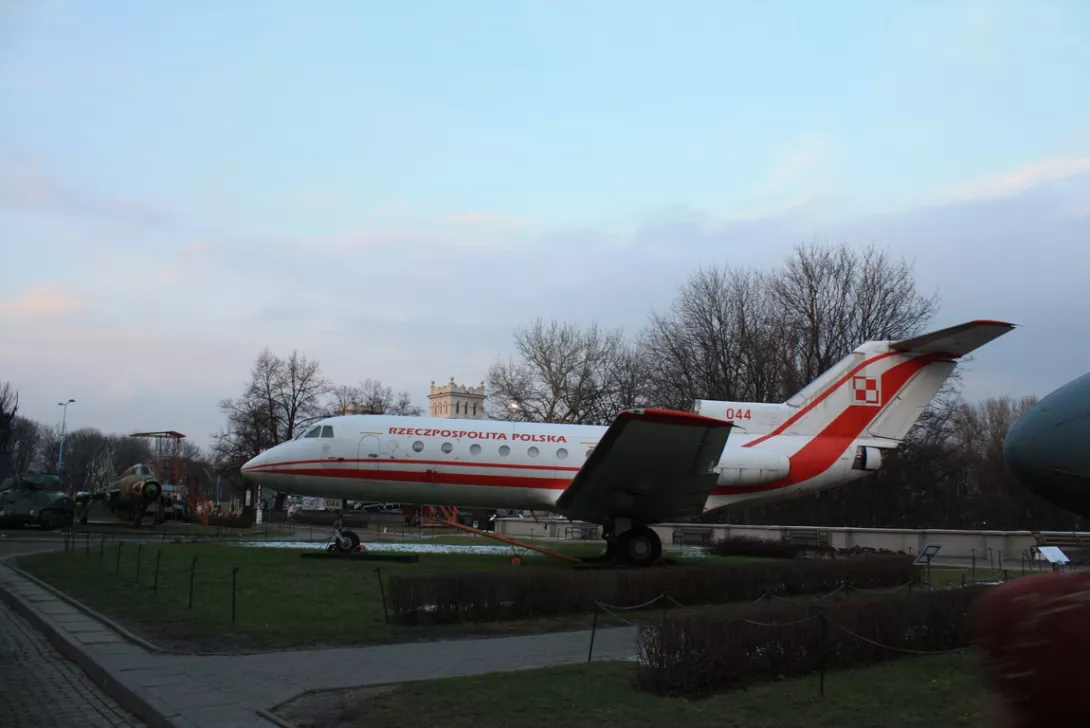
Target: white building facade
[(456, 401)]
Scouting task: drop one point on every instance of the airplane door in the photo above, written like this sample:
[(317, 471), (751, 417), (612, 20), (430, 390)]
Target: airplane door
[(367, 454)]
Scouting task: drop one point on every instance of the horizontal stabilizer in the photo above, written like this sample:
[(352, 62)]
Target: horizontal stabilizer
[(954, 342)]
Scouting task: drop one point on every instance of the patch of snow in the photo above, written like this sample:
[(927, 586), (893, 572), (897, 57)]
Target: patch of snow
[(385, 546)]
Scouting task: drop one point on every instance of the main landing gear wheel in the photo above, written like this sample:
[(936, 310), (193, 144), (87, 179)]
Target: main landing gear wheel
[(640, 546)]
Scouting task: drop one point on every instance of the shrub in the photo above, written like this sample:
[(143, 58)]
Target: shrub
[(752, 546), (525, 594), (698, 654)]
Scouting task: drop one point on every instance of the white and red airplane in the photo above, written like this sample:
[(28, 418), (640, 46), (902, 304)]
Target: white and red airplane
[(650, 465)]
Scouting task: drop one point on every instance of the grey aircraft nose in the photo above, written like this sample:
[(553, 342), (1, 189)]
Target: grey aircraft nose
[(1048, 448)]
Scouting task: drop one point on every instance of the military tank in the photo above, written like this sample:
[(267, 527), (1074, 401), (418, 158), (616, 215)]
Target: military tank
[(35, 499)]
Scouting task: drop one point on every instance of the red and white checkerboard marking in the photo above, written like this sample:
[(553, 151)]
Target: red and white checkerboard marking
[(866, 390)]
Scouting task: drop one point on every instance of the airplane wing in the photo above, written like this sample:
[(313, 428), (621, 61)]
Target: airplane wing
[(651, 465)]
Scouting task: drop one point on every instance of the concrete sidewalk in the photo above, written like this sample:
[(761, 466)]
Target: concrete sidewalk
[(187, 691)]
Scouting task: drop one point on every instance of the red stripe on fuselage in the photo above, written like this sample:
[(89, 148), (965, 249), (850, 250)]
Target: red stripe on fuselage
[(428, 478), (819, 454), (820, 398), (410, 461)]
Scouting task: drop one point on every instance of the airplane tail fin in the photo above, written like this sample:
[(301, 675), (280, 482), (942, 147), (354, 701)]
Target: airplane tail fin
[(877, 391)]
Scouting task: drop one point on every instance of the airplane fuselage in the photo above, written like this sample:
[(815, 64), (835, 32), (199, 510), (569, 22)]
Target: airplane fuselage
[(510, 465), (1047, 451)]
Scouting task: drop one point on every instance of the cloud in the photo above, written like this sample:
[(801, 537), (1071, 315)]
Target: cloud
[(1017, 180), (410, 305), (27, 187), (792, 181), (796, 160), (41, 300)]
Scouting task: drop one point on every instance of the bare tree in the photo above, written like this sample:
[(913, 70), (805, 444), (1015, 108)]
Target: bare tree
[(747, 335), (302, 390), (282, 396), (372, 397), (564, 373), (248, 433), (834, 298), (978, 435), (24, 443), (625, 380), (721, 339), (9, 406)]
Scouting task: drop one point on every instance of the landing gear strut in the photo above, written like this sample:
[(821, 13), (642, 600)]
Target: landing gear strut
[(637, 546)]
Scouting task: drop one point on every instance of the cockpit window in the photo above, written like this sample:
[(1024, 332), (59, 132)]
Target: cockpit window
[(327, 430), (315, 431), (143, 470)]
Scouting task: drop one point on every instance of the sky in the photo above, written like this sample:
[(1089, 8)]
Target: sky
[(392, 188)]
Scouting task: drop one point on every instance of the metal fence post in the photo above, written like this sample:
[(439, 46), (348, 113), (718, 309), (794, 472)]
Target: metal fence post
[(593, 630), (192, 573)]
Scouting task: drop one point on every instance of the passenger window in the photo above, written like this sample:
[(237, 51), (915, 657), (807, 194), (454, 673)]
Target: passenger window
[(475, 449), (562, 454), (314, 432), (504, 450), (589, 451), (418, 446), (532, 452), (327, 431), (447, 447)]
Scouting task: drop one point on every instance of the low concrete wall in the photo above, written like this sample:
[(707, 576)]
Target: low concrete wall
[(955, 544)]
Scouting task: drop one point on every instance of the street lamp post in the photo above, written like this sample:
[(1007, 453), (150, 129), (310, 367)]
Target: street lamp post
[(64, 422)]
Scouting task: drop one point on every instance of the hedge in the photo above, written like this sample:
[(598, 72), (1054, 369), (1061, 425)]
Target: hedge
[(518, 594), (775, 548), (697, 654)]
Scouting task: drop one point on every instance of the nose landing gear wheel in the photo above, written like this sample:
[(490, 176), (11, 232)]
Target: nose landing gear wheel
[(346, 543)]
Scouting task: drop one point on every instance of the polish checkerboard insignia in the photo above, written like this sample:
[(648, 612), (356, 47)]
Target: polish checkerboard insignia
[(866, 391)]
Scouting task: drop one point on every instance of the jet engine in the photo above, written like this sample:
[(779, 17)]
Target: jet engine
[(145, 490), (746, 466)]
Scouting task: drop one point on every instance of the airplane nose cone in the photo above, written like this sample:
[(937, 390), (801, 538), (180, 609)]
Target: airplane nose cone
[(249, 465), (1046, 449)]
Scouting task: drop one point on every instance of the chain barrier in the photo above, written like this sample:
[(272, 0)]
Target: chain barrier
[(905, 650)]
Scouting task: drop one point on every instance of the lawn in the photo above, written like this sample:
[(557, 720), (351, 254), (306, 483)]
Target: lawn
[(936, 692), (282, 600)]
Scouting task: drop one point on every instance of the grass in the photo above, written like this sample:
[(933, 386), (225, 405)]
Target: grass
[(936, 692), (281, 599)]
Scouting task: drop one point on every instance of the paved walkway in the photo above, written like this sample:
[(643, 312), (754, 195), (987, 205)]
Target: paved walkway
[(40, 688), (186, 691)]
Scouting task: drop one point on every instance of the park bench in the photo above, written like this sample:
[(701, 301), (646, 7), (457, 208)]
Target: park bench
[(581, 533), (808, 537), (692, 535)]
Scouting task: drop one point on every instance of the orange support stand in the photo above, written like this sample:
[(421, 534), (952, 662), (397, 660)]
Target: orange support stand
[(450, 518)]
